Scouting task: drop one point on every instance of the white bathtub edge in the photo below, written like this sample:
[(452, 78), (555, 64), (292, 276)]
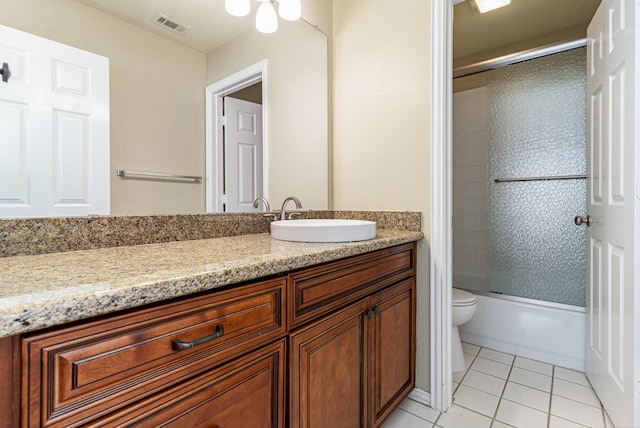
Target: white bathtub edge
[(548, 334)]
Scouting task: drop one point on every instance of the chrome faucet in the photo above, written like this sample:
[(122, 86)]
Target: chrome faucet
[(283, 215), (264, 201), (267, 208)]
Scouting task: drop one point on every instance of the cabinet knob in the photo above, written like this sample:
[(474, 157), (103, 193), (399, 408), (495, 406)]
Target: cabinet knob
[(373, 311)]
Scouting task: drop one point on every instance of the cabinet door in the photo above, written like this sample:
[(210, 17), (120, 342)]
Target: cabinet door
[(327, 371), (248, 392), (392, 364)]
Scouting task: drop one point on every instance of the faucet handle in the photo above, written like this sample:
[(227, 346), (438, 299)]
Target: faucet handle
[(293, 215), (271, 216)]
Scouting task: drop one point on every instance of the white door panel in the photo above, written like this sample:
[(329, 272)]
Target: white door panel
[(14, 155), (55, 155), (612, 252), (243, 154)]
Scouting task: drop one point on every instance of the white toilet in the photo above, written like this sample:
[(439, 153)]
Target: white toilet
[(464, 306)]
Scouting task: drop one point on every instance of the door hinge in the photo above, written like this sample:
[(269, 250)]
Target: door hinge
[(224, 198), (223, 120)]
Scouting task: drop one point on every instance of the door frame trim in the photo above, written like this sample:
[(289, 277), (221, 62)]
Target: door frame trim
[(441, 209), (214, 139)]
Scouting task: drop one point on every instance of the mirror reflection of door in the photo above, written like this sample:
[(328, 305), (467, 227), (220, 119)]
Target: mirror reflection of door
[(243, 149)]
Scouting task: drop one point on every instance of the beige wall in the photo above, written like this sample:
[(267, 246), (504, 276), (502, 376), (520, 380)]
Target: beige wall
[(157, 100), (381, 121), (297, 102)]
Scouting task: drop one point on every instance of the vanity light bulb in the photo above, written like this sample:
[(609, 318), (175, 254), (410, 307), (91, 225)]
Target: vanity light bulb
[(291, 10), (237, 7), (266, 18)]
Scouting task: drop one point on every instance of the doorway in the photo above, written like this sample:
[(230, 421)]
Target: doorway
[(249, 164), (441, 201), (243, 151)]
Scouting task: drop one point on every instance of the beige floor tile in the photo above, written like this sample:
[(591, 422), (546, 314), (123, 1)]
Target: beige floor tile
[(498, 424), (520, 416), (500, 357), (556, 422), (534, 366), (526, 396), (468, 359), (459, 417), (402, 419), (530, 379), (491, 367), (571, 376), (484, 382), (575, 411), (575, 392), (474, 399)]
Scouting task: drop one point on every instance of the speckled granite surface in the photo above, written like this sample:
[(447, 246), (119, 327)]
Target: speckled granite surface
[(50, 289), (52, 235)]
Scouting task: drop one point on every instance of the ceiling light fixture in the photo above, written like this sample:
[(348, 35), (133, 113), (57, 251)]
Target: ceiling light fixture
[(483, 6), (266, 17)]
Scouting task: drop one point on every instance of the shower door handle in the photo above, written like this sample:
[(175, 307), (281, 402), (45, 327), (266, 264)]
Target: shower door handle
[(579, 221)]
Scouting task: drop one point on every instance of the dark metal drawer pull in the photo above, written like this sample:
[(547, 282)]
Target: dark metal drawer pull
[(178, 345)]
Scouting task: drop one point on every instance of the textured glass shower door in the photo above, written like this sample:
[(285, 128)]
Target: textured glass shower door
[(537, 128)]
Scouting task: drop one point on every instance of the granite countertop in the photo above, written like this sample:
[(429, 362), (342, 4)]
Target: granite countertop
[(50, 289)]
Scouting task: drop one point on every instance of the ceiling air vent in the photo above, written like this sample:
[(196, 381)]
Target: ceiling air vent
[(171, 24)]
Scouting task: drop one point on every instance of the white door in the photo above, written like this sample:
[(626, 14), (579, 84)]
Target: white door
[(614, 234), (242, 154), (54, 128)]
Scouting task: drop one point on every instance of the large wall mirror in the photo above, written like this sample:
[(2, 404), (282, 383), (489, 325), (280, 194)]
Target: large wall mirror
[(157, 91)]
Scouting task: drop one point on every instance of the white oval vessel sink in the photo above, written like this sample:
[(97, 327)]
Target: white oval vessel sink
[(323, 230)]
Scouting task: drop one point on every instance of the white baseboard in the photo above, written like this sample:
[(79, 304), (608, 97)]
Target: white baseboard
[(421, 396)]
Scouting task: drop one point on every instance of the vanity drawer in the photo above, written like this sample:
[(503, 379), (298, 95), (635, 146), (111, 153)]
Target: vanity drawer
[(314, 291), (247, 392), (76, 373)]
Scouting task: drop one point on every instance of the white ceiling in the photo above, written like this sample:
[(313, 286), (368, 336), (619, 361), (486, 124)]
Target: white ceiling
[(521, 20), (210, 25)]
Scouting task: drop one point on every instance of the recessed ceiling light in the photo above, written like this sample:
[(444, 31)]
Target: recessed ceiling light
[(483, 6)]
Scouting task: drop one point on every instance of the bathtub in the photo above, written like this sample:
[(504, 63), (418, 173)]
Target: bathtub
[(549, 332)]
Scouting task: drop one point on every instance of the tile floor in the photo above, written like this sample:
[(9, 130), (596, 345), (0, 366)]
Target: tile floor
[(499, 390)]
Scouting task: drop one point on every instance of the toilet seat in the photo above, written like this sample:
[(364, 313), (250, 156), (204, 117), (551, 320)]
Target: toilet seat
[(462, 298)]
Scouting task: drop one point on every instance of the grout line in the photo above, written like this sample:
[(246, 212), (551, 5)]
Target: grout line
[(553, 377), (495, 413)]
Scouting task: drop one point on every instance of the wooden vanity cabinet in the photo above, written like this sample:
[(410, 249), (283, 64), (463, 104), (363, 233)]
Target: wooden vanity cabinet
[(327, 346), (354, 366)]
